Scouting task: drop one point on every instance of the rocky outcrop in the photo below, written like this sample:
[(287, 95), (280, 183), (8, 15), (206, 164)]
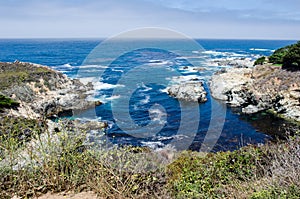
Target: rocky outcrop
[(234, 62), (260, 88), (42, 92), (188, 91)]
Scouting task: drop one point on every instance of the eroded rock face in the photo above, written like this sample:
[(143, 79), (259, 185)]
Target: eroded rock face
[(260, 88), (188, 91), (43, 92)]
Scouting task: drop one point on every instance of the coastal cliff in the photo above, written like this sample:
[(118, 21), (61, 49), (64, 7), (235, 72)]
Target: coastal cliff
[(41, 92), (263, 87), (32, 95)]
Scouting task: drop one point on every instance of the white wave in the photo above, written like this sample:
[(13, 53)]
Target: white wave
[(92, 66), (224, 54), (187, 78), (180, 137), (176, 137), (154, 61), (164, 138), (214, 53), (145, 88), (86, 80), (105, 86), (153, 145), (113, 97), (117, 70), (91, 98), (146, 100), (63, 71), (103, 98), (158, 62), (165, 90), (67, 65), (157, 114), (237, 55), (260, 49)]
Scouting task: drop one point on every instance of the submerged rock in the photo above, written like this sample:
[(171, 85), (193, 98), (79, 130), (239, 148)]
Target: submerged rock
[(188, 91)]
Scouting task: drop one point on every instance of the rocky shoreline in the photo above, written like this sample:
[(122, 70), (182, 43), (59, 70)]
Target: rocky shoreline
[(263, 87), (232, 62), (43, 93)]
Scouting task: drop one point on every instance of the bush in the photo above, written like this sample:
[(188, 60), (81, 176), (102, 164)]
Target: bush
[(6, 102), (292, 58), (195, 176), (292, 192), (277, 56), (260, 61)]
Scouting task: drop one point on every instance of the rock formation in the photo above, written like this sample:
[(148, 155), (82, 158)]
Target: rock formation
[(43, 93), (188, 91), (260, 88)]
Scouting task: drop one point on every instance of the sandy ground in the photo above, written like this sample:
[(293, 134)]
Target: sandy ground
[(82, 195)]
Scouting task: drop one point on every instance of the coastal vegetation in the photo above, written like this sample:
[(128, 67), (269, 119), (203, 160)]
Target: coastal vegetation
[(288, 57), (62, 163), (6, 102), (260, 61)]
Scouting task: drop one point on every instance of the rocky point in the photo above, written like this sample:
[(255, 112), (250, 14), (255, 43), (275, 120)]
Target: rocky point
[(263, 87)]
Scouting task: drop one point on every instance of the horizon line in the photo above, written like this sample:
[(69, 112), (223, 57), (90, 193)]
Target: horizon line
[(139, 38)]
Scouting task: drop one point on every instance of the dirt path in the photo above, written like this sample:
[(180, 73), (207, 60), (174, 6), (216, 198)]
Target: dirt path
[(82, 195)]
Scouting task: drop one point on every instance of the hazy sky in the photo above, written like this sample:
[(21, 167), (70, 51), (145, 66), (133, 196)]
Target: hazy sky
[(252, 19)]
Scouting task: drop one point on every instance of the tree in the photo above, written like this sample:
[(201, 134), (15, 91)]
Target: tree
[(277, 56), (292, 58)]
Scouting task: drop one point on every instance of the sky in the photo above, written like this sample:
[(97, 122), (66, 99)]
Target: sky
[(228, 19)]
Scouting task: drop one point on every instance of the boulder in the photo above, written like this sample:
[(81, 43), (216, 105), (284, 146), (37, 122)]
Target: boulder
[(188, 91)]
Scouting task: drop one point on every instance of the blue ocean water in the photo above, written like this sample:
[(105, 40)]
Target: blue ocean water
[(146, 115)]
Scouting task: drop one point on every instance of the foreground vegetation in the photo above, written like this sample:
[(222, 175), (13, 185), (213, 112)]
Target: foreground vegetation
[(55, 162)]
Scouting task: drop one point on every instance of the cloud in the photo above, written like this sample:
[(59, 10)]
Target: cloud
[(205, 18)]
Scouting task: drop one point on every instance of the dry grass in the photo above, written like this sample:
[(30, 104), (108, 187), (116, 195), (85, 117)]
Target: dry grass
[(61, 162), (279, 174)]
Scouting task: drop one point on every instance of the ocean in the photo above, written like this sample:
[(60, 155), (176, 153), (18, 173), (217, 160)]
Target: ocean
[(131, 79)]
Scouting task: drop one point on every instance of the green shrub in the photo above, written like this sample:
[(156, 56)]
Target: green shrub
[(260, 61), (277, 56), (292, 192), (288, 57), (15, 132), (194, 176), (6, 102)]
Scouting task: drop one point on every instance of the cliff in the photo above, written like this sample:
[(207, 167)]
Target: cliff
[(31, 95), (40, 91)]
